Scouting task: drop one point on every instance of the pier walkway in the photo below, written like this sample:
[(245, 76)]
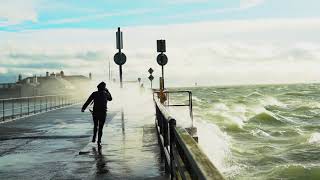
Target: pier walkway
[(56, 145)]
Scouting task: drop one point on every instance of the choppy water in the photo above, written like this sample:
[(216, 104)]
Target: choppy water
[(260, 132)]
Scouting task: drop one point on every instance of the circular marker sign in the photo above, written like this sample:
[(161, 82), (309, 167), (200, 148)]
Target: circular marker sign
[(162, 59), (118, 60)]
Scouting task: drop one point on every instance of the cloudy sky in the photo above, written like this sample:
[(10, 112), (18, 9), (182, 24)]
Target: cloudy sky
[(211, 42)]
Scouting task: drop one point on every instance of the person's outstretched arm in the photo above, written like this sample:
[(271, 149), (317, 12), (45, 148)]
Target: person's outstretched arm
[(87, 102), (109, 97)]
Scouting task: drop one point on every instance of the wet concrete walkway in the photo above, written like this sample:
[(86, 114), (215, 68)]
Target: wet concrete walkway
[(56, 145)]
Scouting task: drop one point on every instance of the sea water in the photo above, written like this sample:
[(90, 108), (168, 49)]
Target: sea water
[(259, 132)]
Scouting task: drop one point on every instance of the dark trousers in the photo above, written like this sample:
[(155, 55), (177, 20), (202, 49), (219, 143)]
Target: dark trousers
[(98, 123)]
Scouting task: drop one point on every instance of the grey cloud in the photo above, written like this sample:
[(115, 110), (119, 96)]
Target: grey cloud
[(43, 65), (89, 55)]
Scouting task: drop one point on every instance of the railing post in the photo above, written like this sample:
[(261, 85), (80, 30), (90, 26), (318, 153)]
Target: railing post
[(34, 105), (46, 103), (12, 109), (40, 104), (28, 106), (165, 133), (172, 125), (191, 108), (3, 113), (21, 102), (160, 122)]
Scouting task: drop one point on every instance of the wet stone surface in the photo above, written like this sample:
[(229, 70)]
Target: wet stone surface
[(47, 146)]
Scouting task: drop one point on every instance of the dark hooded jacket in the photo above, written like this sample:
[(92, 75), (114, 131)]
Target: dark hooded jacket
[(100, 99)]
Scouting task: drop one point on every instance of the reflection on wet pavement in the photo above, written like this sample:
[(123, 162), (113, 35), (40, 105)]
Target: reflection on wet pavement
[(129, 150), (47, 146), (101, 164)]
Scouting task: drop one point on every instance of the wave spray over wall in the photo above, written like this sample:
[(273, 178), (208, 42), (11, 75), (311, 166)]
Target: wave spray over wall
[(260, 132)]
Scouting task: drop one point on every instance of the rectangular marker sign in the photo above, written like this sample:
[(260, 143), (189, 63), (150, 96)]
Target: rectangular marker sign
[(119, 40)]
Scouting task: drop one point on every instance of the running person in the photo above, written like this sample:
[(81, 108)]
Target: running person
[(99, 113)]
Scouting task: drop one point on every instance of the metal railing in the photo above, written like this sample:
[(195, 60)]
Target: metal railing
[(183, 157), (167, 102), (14, 108)]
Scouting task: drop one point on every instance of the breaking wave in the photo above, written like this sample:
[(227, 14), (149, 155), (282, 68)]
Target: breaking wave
[(265, 118), (314, 139)]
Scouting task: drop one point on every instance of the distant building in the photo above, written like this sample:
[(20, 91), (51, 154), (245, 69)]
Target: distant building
[(54, 83)]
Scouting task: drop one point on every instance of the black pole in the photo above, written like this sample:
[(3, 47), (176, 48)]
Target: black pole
[(162, 76), (122, 121), (120, 67), (109, 71)]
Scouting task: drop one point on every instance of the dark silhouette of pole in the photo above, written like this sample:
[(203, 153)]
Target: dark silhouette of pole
[(109, 71), (120, 58), (162, 59), (150, 77), (162, 75), (120, 70), (120, 67)]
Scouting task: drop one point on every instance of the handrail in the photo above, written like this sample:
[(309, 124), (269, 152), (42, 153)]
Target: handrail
[(167, 93), (14, 108), (183, 157), (19, 98)]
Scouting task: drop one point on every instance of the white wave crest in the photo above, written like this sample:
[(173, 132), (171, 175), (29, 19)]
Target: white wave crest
[(314, 138), (271, 101), (215, 144)]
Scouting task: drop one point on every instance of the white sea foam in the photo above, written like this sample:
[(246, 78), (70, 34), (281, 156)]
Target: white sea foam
[(235, 114), (213, 141), (259, 132), (220, 107), (239, 108), (215, 144), (235, 119), (271, 101), (257, 109), (313, 105), (195, 98), (181, 115), (314, 138), (254, 94)]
